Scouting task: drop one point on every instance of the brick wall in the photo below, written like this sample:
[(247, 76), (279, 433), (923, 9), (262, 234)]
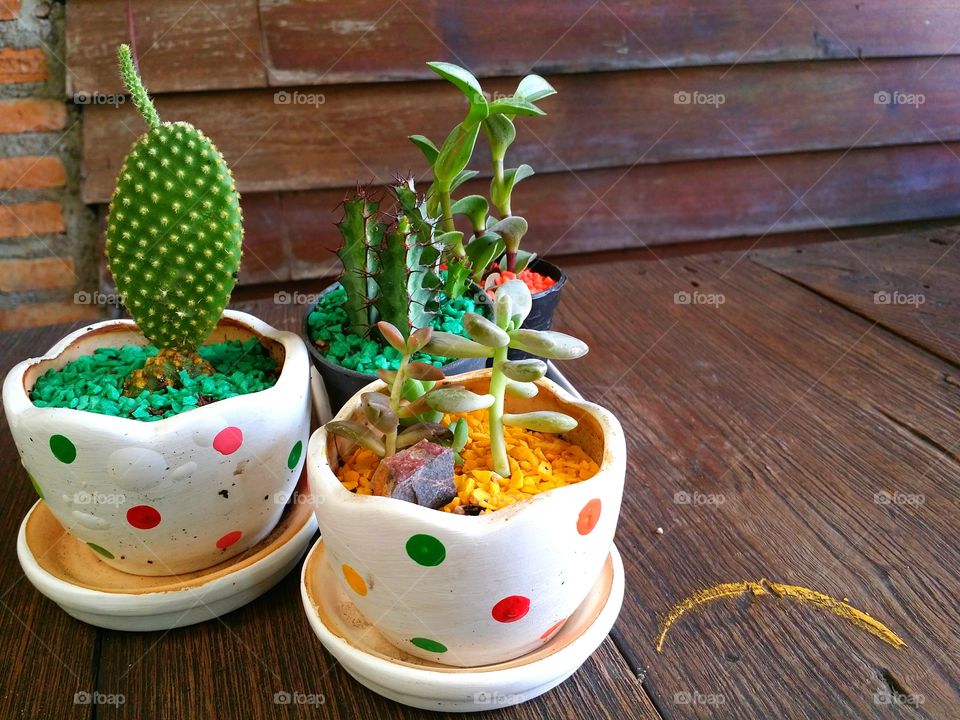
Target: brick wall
[(47, 235)]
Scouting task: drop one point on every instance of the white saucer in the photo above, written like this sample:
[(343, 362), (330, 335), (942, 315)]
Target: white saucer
[(54, 561), (378, 665)]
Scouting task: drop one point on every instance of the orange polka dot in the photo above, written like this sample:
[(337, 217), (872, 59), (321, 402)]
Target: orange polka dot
[(552, 629), (354, 580), (589, 517)]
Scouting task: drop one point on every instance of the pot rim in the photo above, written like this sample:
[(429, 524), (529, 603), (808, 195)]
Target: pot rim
[(611, 472), (17, 403)]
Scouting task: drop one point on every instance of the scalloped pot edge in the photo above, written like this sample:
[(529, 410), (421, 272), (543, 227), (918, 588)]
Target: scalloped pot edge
[(464, 590), (179, 494)]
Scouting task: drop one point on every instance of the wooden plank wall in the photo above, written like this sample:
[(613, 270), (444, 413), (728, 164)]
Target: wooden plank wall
[(305, 98)]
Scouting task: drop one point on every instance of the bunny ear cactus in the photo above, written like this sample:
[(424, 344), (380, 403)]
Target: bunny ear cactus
[(511, 305), (174, 239), (389, 269)]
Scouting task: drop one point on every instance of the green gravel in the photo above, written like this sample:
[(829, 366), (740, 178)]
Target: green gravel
[(94, 383), (365, 355)]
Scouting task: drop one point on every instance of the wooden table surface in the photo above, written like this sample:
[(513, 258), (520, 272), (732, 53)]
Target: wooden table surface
[(794, 420)]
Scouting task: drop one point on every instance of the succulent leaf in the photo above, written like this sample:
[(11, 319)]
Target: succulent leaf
[(541, 421), (548, 344), (449, 345), (528, 370), (521, 302), (378, 411), (457, 399), (522, 389), (357, 433), (434, 432), (484, 331)]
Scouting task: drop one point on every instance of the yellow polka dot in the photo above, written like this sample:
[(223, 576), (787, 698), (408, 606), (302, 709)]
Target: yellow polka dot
[(354, 580)]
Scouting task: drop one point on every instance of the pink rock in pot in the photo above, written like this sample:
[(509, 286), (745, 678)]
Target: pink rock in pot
[(421, 474)]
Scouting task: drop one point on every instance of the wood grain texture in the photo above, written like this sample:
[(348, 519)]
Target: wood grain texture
[(302, 138), (182, 45), (47, 657), (214, 45), (908, 286), (675, 203), (760, 433)]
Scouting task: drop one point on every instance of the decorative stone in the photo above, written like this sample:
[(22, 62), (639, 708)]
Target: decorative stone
[(421, 474)]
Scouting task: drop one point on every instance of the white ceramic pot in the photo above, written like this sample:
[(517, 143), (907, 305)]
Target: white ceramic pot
[(462, 590), (175, 495)]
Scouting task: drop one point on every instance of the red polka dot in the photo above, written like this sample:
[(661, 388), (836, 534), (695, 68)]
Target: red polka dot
[(552, 629), (589, 517), (511, 608), (228, 440), (229, 539), (143, 517)]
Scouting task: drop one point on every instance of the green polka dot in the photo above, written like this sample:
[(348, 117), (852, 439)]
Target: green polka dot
[(62, 449), (429, 645), (294, 457), (33, 481), (426, 550), (103, 551)]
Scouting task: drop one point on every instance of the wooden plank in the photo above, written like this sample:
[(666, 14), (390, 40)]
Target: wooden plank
[(46, 657), (907, 285), (182, 45), (682, 202), (308, 138), (745, 404), (327, 42)]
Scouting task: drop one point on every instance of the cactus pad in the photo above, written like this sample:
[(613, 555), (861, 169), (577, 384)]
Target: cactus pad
[(174, 230)]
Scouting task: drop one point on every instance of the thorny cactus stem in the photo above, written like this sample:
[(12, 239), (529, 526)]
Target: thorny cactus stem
[(174, 239)]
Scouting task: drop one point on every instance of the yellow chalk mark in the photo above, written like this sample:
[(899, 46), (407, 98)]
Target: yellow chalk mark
[(779, 590)]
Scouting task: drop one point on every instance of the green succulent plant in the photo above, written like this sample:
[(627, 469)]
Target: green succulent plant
[(492, 237), (493, 339), (174, 238), (411, 408), (390, 268)]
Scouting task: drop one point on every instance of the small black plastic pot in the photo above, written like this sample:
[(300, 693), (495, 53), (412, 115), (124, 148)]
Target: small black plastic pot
[(342, 383), (544, 303)]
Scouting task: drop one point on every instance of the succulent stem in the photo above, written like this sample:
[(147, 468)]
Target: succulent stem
[(498, 386), (447, 209), (134, 84)]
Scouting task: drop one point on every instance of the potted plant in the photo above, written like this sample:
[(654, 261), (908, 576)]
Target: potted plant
[(495, 571), (163, 454), (391, 272), (492, 254)]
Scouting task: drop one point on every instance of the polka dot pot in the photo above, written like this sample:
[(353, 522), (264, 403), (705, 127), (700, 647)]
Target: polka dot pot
[(175, 495), (463, 590)]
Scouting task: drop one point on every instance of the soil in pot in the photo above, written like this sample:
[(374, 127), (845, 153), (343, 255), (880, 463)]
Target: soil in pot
[(328, 331), (539, 462), (94, 383)]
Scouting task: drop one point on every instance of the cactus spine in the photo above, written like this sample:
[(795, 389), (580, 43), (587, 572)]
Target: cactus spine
[(174, 237), (389, 269)]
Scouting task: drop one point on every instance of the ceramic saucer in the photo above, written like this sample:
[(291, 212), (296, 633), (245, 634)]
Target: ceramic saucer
[(68, 572), (386, 670)]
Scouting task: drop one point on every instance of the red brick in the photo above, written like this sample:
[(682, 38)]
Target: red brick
[(9, 9), (32, 172), (32, 116), (22, 66), (26, 219), (39, 274), (46, 313)]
